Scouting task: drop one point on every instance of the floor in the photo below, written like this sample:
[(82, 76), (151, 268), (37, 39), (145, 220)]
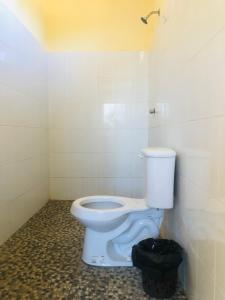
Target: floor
[(42, 261)]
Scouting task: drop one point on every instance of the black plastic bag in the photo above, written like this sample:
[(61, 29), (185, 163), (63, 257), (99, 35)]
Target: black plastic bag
[(159, 260)]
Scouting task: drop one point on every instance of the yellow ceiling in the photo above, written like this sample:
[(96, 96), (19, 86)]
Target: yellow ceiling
[(104, 25)]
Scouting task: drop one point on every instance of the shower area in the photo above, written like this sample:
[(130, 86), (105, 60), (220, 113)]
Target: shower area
[(98, 123)]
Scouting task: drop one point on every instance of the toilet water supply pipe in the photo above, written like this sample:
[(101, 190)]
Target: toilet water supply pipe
[(131, 233)]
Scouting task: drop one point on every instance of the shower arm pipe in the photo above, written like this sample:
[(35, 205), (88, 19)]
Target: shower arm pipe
[(154, 12)]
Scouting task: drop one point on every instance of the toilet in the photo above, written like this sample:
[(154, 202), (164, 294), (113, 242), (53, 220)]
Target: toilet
[(114, 224)]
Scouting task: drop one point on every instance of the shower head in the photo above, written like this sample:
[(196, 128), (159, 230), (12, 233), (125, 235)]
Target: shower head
[(144, 20), (154, 12)]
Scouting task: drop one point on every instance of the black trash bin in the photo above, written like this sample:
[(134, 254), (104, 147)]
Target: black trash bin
[(158, 260)]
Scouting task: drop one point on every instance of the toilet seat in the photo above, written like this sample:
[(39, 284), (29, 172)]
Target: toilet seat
[(105, 208)]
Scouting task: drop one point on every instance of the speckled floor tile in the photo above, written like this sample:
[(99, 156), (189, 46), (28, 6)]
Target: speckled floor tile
[(42, 261)]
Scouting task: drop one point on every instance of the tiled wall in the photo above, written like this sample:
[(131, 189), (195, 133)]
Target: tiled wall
[(23, 125), (188, 83), (98, 123)]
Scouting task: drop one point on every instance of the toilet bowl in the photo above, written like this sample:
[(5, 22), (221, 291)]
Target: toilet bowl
[(114, 224), (104, 213)]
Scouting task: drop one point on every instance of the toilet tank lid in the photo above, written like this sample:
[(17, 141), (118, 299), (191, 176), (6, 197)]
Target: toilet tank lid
[(158, 152)]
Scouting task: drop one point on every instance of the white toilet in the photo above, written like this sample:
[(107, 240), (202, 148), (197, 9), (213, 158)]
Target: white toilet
[(114, 224)]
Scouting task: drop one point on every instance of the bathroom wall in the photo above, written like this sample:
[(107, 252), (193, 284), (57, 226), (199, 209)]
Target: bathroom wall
[(98, 123), (187, 88), (23, 125)]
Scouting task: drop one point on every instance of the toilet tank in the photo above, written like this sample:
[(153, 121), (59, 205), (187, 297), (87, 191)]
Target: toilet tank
[(159, 177)]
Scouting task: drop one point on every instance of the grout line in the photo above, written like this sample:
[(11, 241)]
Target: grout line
[(181, 123), (214, 36), (51, 177), (21, 126), (13, 162)]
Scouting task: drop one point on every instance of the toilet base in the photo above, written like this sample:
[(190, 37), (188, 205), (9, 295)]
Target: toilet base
[(98, 251), (113, 248)]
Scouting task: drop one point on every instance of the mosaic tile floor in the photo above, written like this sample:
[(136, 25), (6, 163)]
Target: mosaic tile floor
[(42, 261)]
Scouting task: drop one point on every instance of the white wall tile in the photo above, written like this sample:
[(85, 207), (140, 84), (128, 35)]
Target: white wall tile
[(23, 125), (98, 123), (187, 76), (220, 263)]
